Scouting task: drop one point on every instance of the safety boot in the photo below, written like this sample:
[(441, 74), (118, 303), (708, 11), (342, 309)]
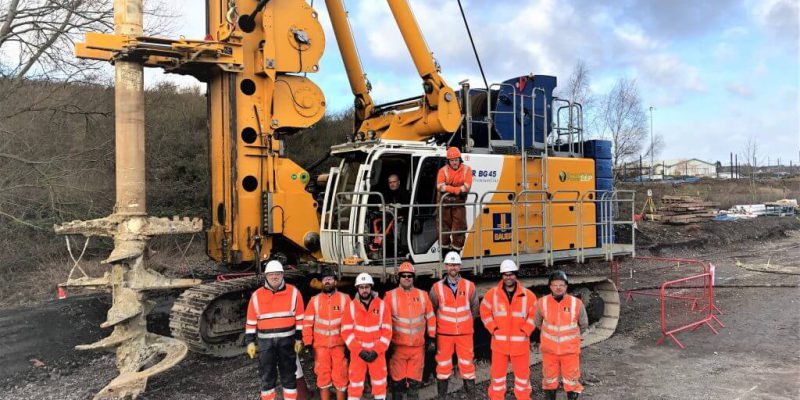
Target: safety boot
[(469, 386), (413, 389), (550, 394), (441, 387), (324, 394), (302, 390), (398, 387), (573, 395)]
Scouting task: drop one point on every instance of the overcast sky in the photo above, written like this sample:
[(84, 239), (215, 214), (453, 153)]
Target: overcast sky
[(716, 71)]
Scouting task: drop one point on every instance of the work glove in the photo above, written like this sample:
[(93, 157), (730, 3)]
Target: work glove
[(298, 346), (251, 350), (309, 349), (373, 355), (364, 355)]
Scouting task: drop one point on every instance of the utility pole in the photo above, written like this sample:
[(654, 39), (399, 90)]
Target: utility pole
[(652, 149)]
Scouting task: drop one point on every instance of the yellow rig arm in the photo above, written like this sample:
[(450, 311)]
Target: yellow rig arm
[(254, 60), (437, 111)]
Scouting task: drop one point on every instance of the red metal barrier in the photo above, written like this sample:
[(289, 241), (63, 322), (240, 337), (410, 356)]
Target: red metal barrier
[(685, 292), (689, 310)]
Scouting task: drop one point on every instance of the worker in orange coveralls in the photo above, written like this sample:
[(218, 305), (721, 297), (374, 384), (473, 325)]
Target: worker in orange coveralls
[(275, 321), (561, 319), (507, 311), (322, 332), (455, 180), (367, 332), (412, 315), (456, 305)]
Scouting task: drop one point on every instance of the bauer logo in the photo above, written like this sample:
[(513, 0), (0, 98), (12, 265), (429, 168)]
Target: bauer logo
[(501, 227)]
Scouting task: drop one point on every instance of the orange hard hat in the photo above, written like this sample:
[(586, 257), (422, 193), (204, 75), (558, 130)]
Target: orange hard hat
[(453, 152), (406, 267)]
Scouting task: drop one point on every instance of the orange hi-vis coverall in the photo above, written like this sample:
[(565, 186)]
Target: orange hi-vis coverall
[(367, 329), (456, 182), (412, 314), (561, 324), (275, 319), (322, 329), (511, 325), (454, 318)]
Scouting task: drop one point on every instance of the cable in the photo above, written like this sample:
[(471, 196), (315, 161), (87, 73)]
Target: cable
[(472, 42)]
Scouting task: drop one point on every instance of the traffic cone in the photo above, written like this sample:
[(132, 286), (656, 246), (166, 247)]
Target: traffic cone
[(62, 294)]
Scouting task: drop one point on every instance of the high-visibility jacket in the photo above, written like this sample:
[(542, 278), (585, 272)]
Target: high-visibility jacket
[(560, 333), (411, 311), (454, 179), (323, 321), (274, 313), (454, 311), (511, 324), (367, 329)]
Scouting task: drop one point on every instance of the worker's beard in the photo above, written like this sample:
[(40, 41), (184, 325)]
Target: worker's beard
[(328, 288), (558, 297), (367, 297)]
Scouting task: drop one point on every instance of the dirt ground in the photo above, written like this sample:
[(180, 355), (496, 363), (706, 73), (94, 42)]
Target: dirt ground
[(756, 356)]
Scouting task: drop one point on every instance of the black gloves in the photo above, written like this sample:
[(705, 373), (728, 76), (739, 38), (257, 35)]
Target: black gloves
[(364, 355), (368, 355)]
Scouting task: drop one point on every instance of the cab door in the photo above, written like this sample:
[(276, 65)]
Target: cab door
[(423, 235)]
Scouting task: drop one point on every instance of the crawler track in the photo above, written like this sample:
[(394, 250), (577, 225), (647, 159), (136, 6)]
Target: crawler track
[(210, 317)]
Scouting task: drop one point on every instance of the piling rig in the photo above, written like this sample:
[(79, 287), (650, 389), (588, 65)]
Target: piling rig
[(540, 195)]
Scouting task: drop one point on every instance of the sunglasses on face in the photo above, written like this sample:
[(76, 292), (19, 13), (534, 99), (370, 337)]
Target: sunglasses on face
[(406, 276)]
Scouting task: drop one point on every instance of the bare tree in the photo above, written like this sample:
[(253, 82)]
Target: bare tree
[(55, 132), (578, 90), (655, 147), (749, 155), (624, 120), (37, 37)]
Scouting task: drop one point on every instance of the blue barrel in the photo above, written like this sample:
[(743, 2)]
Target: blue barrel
[(597, 149), (603, 169)]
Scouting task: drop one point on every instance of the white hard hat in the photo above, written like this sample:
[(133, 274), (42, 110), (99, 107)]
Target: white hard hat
[(452, 258), (364, 279), (273, 266), (508, 266)]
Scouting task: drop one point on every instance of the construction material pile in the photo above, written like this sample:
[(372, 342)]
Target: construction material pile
[(680, 210)]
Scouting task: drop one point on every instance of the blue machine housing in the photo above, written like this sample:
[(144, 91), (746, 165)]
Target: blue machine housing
[(515, 92), (600, 151), (534, 127)]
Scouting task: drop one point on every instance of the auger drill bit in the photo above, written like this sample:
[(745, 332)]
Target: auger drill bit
[(140, 354)]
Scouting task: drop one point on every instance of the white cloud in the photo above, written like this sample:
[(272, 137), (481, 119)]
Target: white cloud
[(664, 69), (725, 53), (739, 89)]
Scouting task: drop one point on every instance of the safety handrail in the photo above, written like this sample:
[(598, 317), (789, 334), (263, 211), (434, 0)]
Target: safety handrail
[(615, 199), (520, 198), (492, 113), (553, 200), (510, 202), (357, 203)]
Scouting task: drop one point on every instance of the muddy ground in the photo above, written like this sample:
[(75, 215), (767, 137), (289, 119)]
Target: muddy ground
[(756, 356)]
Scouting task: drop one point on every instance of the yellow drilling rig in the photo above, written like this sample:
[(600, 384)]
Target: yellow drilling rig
[(542, 195)]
